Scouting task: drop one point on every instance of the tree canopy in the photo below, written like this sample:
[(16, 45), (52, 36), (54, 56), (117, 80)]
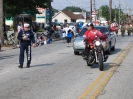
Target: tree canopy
[(105, 12), (14, 7), (74, 9)]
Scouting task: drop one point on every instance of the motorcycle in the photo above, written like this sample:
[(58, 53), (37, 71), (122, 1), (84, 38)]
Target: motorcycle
[(96, 53)]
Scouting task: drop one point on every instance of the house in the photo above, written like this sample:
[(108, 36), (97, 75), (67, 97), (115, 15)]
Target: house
[(66, 17)]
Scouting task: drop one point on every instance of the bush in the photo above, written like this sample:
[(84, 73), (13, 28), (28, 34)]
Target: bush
[(40, 30)]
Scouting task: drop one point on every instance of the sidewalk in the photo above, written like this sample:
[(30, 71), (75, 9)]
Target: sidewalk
[(3, 48)]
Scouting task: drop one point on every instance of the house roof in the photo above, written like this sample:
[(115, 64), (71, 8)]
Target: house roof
[(72, 15)]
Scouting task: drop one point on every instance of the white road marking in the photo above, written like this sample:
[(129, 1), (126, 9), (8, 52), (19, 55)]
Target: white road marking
[(4, 72)]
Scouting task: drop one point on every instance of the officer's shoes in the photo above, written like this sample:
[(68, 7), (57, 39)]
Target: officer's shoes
[(20, 66), (28, 66)]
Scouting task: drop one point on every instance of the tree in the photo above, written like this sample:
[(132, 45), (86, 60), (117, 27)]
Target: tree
[(74, 9), (106, 14), (105, 11), (54, 11), (15, 7)]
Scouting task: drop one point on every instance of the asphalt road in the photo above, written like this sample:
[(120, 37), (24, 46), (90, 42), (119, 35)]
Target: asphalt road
[(56, 73)]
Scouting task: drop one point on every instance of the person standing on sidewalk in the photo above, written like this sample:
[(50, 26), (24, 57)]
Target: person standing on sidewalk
[(19, 27), (26, 37)]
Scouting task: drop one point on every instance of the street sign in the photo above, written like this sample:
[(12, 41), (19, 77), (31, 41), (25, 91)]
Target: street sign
[(47, 14)]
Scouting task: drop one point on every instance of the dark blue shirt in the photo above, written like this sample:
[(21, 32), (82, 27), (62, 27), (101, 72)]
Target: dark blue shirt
[(30, 37)]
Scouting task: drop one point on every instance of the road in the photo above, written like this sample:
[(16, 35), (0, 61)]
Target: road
[(56, 73)]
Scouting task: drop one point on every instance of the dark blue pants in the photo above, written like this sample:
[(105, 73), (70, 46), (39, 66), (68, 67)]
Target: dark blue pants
[(24, 47)]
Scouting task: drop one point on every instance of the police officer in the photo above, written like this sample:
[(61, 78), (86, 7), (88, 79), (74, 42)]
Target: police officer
[(26, 38)]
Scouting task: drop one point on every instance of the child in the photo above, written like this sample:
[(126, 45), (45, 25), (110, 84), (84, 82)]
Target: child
[(42, 39), (38, 42), (69, 37), (49, 41)]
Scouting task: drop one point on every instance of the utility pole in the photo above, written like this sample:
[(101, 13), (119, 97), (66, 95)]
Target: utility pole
[(90, 10), (115, 13), (94, 4), (1, 20), (110, 3), (50, 15), (119, 12)]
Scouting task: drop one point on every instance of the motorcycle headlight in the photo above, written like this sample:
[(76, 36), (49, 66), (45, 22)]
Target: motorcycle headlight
[(97, 43)]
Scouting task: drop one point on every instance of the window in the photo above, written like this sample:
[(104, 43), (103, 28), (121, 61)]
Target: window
[(56, 20), (65, 21)]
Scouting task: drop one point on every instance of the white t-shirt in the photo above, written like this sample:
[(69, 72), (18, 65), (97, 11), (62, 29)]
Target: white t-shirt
[(66, 30), (73, 28)]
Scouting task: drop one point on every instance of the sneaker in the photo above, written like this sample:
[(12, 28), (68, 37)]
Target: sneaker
[(28, 65), (20, 66)]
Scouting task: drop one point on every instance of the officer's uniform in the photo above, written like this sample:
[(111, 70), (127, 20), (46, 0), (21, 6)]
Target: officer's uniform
[(25, 45)]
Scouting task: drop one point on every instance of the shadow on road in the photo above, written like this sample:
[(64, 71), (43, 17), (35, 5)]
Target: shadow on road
[(43, 65), (107, 66), (7, 57), (117, 50)]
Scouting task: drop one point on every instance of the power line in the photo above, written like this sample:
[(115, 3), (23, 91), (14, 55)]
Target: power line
[(70, 3)]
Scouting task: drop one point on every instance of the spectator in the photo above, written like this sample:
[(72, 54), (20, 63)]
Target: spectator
[(52, 32), (80, 26), (38, 42), (42, 39), (45, 32), (19, 27), (49, 40)]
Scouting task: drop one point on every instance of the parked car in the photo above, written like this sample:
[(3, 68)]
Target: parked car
[(78, 44), (35, 26), (72, 24)]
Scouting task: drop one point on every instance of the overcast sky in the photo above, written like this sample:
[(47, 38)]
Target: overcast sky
[(85, 4)]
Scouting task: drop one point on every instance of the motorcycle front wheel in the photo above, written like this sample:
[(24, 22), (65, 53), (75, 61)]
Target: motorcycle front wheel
[(100, 58)]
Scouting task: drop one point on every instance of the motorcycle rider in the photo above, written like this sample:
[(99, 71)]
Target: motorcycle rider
[(89, 36), (114, 27)]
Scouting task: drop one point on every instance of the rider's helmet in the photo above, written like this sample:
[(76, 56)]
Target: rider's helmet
[(90, 24)]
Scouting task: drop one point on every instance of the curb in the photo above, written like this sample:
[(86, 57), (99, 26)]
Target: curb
[(10, 48)]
